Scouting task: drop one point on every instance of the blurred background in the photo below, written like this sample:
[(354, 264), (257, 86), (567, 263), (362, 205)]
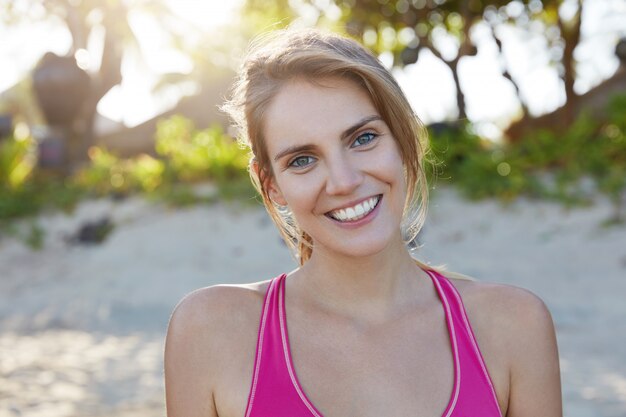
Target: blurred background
[(122, 186)]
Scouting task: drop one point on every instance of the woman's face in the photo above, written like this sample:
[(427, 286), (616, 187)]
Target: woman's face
[(336, 165)]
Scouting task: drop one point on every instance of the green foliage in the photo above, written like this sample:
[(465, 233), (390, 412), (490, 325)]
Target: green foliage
[(478, 168), (542, 165), (261, 15), (607, 163), (185, 156), (108, 174), (195, 155), (35, 236), (22, 201), (403, 27), (17, 160), (20, 189), (179, 195), (37, 194)]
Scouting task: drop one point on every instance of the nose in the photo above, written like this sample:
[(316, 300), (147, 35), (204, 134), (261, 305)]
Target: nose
[(343, 177)]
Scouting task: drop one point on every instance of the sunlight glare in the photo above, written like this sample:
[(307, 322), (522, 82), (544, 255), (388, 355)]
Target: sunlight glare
[(206, 15), (134, 102), (22, 47)]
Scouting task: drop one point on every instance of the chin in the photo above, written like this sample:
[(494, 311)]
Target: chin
[(358, 248)]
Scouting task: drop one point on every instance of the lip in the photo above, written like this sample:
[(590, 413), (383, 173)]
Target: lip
[(354, 203), (357, 223)]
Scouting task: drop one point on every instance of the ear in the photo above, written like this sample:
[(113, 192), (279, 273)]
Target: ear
[(270, 185), (274, 192)]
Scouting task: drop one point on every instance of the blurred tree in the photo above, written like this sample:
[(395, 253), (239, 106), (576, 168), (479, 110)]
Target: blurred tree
[(214, 59), (406, 27), (419, 24), (263, 15), (84, 19)]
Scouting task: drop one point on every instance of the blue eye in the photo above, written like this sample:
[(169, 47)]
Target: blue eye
[(364, 139), (301, 161)]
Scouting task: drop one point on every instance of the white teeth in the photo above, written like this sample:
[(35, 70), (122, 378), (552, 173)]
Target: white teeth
[(356, 212)]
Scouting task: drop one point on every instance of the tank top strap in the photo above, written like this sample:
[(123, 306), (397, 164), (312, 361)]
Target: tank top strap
[(275, 390), (473, 388)]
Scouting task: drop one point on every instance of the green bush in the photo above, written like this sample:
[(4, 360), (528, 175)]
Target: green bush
[(24, 193), (108, 174), (199, 154), (478, 167), (587, 149), (186, 155), (17, 161), (542, 165)]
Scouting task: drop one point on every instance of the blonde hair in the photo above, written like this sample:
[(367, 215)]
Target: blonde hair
[(280, 56)]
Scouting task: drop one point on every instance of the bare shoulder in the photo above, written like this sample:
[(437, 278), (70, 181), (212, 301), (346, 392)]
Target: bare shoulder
[(513, 313), (516, 335), (212, 306), (207, 329), (214, 316)]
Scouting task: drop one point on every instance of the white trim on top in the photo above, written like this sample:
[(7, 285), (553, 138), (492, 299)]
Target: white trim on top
[(477, 352), (257, 365), (283, 333), (455, 349)]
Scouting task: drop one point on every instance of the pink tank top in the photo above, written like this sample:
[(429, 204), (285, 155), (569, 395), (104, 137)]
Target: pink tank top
[(276, 392)]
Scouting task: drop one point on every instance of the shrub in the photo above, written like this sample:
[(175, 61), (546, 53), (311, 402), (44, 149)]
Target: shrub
[(195, 155), (587, 149), (17, 161), (107, 174)]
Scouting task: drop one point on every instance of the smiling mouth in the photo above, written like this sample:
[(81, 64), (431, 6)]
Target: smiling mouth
[(356, 212)]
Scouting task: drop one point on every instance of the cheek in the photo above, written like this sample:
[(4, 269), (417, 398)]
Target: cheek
[(392, 166), (391, 163), (300, 192)]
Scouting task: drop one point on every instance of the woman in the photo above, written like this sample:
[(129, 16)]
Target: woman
[(338, 157)]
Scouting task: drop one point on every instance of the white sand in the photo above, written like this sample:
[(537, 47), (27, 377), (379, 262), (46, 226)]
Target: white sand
[(82, 328)]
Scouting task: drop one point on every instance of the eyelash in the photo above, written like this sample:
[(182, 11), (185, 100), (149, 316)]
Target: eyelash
[(292, 164), (372, 136)]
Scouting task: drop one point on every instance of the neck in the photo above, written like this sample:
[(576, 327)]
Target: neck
[(372, 288)]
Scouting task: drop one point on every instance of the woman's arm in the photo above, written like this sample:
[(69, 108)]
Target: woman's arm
[(188, 353), (535, 382)]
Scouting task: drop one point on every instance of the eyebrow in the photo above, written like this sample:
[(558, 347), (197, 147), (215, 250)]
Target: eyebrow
[(346, 133)]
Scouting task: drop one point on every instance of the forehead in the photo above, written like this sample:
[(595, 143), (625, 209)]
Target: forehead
[(307, 112)]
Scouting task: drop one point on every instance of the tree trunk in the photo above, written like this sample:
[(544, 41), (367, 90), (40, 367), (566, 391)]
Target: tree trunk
[(107, 77), (460, 97), (594, 101), (570, 32), (505, 70)]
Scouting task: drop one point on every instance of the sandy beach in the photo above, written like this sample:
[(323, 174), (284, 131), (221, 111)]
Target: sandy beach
[(82, 327)]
